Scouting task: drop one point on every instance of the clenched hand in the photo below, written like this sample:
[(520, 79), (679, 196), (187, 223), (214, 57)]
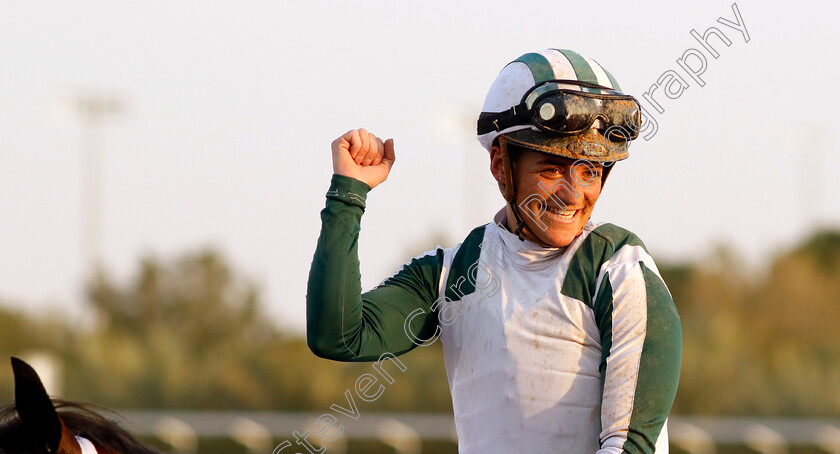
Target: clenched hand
[(361, 155)]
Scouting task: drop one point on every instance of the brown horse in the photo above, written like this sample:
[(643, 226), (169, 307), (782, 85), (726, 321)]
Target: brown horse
[(35, 424)]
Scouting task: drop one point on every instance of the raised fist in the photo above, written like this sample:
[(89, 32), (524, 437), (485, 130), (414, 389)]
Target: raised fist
[(361, 155)]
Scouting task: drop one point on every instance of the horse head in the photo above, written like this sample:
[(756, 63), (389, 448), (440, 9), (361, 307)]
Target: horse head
[(33, 425)]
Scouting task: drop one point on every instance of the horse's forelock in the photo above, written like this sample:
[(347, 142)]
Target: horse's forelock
[(86, 420), (81, 419)]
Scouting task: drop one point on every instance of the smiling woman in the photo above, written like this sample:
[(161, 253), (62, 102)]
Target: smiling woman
[(558, 333)]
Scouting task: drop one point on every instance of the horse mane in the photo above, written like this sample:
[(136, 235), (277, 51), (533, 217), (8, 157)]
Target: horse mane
[(84, 420)]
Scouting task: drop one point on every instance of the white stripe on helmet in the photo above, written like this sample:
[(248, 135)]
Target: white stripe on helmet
[(603, 78), (562, 67)]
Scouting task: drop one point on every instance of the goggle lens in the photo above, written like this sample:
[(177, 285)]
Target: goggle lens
[(572, 113)]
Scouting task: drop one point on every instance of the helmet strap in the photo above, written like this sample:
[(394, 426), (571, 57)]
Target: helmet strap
[(508, 188), (604, 173)]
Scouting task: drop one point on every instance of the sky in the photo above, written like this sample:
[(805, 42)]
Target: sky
[(229, 109)]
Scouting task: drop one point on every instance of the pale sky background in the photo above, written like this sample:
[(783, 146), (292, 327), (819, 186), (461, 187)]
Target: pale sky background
[(230, 110)]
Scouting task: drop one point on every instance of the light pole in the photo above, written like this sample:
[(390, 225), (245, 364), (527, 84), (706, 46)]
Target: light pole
[(92, 109), (807, 144)]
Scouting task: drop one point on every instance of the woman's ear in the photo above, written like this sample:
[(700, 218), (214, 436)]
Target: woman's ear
[(502, 170), (496, 163)]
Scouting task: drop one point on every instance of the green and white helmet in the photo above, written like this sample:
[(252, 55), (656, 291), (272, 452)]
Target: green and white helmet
[(534, 74)]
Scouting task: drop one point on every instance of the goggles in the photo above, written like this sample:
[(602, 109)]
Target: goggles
[(567, 112)]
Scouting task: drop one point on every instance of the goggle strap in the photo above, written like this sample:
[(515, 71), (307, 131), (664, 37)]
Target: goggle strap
[(499, 121), (580, 83)]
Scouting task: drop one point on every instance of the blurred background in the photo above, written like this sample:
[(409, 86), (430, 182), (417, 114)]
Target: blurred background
[(163, 165)]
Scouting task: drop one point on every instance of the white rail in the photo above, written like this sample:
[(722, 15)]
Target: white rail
[(403, 431)]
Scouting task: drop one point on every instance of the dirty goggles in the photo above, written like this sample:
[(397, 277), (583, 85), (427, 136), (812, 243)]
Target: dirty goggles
[(568, 112)]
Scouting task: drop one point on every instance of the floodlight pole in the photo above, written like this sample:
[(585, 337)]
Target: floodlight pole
[(808, 142), (93, 109)]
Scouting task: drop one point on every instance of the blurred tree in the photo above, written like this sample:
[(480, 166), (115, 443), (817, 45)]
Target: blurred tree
[(823, 247), (191, 334), (795, 326), (177, 335), (766, 345)]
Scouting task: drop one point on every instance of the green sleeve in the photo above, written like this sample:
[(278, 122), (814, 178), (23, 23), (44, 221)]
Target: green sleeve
[(659, 368), (342, 323), (641, 336)]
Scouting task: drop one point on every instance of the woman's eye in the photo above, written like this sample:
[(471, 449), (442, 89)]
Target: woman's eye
[(588, 174)]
